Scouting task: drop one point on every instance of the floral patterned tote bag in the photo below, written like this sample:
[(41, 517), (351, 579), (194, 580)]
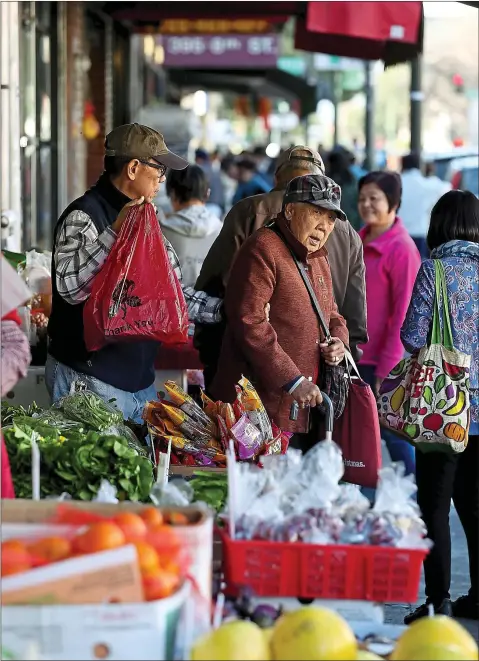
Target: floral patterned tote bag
[(425, 398)]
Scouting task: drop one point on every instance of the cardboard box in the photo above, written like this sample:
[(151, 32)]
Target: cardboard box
[(197, 536), (110, 576)]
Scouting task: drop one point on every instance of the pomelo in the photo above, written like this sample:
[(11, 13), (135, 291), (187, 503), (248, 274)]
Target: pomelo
[(313, 634), (238, 640), (438, 638)]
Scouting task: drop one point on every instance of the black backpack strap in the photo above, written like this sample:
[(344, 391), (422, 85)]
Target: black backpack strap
[(307, 282)]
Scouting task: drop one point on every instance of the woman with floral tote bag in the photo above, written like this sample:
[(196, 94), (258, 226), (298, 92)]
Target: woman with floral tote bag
[(453, 239)]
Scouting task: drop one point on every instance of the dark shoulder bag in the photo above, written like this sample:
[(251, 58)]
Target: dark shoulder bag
[(334, 380)]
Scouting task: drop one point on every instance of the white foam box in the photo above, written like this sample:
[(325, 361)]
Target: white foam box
[(117, 632)]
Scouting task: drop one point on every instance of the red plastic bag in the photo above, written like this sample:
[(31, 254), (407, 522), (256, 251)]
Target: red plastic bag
[(136, 295)]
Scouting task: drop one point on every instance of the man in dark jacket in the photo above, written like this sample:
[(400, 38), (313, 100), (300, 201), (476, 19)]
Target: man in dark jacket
[(345, 253), (136, 160)]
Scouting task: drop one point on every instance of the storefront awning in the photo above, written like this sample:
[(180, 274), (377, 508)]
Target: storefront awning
[(389, 31), (154, 12)]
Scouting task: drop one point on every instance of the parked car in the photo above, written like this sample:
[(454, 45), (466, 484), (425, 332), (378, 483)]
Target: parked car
[(442, 161), (464, 174)]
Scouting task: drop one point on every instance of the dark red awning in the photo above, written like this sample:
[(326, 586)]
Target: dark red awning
[(389, 31)]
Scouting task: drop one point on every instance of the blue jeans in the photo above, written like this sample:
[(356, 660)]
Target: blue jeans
[(59, 378), (398, 448)]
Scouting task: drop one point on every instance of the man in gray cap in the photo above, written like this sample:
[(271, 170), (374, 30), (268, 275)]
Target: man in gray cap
[(135, 164), (345, 254)]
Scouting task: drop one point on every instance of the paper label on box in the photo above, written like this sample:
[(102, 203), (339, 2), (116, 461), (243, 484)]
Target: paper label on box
[(112, 576)]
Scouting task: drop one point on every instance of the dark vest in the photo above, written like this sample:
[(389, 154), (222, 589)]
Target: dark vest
[(129, 367)]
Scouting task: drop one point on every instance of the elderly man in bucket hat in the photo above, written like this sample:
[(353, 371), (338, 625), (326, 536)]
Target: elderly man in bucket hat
[(281, 354), (345, 256), (135, 164)]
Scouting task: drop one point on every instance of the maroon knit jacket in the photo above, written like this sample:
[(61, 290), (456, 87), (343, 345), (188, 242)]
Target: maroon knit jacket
[(272, 353)]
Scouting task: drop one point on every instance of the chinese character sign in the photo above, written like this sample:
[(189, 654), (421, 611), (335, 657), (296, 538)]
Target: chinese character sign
[(221, 51)]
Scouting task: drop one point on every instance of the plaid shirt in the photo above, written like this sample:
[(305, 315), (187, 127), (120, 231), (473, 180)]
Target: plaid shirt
[(80, 252)]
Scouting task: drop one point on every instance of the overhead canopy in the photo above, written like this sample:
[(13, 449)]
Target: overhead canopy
[(138, 13), (389, 31)]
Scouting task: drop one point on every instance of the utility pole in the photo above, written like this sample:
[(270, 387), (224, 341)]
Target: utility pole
[(416, 96), (370, 153)]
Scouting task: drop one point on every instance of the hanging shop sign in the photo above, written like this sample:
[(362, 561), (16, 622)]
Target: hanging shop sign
[(221, 52), (214, 26)]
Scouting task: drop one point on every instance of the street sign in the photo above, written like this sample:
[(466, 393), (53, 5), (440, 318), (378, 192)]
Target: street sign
[(296, 66), (323, 62), (232, 51)]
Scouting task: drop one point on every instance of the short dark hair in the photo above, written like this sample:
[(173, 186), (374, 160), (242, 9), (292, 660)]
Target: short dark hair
[(455, 216), (246, 164), (113, 165), (410, 162), (188, 184), (390, 184)]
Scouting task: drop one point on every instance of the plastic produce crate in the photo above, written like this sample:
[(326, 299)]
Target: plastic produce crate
[(310, 571)]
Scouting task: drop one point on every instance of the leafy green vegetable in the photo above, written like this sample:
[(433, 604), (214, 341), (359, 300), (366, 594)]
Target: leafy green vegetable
[(88, 408), (9, 411), (75, 462), (210, 488)]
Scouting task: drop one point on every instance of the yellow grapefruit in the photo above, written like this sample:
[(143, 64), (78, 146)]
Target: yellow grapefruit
[(313, 634), (233, 641), (437, 637)]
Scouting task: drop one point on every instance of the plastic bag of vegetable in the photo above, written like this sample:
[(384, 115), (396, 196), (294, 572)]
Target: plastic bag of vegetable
[(87, 407), (125, 432)]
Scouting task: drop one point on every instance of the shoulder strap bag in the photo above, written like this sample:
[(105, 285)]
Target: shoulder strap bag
[(334, 380)]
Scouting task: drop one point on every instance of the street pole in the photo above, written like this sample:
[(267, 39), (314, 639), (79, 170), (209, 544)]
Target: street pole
[(335, 100), (416, 105), (369, 156)]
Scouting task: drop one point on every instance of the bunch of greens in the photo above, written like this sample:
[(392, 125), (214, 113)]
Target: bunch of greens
[(75, 462), (10, 411), (210, 488), (88, 408)]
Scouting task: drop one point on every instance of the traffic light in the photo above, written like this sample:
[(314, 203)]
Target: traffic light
[(458, 82)]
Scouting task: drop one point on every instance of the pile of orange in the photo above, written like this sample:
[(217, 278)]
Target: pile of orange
[(160, 553)]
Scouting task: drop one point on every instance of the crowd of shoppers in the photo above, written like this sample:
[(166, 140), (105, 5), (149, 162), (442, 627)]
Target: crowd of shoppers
[(369, 284)]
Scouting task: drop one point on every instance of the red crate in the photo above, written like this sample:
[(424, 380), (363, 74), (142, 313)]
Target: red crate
[(310, 571)]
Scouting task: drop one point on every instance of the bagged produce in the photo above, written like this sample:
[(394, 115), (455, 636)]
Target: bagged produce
[(200, 434), (88, 408), (187, 404), (298, 498), (255, 409), (136, 295)]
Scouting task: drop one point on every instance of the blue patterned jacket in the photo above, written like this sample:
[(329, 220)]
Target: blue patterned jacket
[(461, 265)]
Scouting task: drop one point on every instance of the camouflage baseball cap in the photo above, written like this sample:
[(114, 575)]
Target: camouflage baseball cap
[(316, 189), (143, 143), (299, 153)]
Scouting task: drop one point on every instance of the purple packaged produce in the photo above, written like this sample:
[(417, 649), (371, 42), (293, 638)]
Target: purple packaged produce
[(247, 438)]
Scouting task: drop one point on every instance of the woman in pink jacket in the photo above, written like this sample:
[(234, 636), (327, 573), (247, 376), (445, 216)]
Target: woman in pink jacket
[(392, 262)]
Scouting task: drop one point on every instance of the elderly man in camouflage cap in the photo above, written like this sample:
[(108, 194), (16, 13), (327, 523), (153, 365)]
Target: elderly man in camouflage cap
[(135, 164), (344, 250)]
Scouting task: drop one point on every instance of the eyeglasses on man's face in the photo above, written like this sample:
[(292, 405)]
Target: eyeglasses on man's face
[(156, 166)]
